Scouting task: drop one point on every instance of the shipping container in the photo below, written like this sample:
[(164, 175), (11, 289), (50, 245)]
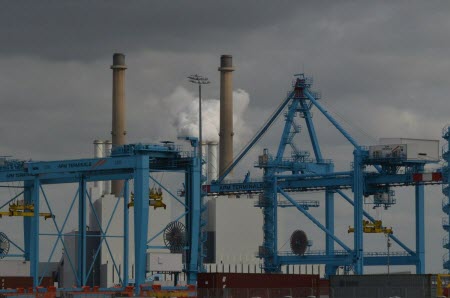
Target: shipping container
[(380, 286), (246, 285), (14, 282)]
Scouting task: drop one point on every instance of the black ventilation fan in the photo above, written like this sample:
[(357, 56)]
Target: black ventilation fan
[(175, 237), (4, 245), (299, 242)]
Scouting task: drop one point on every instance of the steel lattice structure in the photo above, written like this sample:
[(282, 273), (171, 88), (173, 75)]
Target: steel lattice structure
[(297, 173), (129, 162), (300, 173)]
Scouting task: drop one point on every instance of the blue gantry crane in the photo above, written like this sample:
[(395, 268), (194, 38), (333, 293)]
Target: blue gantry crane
[(372, 174), (283, 175), (135, 162)]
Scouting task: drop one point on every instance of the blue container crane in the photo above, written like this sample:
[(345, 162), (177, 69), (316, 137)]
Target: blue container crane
[(128, 162), (299, 172)]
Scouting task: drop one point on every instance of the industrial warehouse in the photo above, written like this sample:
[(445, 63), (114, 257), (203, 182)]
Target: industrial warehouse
[(248, 178)]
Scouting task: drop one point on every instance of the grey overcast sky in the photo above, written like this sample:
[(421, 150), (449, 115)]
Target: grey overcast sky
[(382, 68)]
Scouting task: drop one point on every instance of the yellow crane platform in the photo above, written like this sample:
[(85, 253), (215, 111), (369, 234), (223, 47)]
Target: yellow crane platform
[(373, 228), (155, 199), (21, 209)]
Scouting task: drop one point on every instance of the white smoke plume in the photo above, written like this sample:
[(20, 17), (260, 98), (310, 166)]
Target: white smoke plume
[(184, 107)]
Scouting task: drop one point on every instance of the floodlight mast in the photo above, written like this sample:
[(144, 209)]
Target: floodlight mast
[(199, 80)]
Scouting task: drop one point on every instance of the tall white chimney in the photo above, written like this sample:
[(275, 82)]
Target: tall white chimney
[(99, 149), (212, 161), (106, 153)]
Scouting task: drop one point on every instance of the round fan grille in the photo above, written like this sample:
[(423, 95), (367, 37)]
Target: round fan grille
[(175, 236), (299, 242), (4, 245)]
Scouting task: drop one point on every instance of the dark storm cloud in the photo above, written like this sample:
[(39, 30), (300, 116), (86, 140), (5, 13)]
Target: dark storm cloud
[(89, 29)]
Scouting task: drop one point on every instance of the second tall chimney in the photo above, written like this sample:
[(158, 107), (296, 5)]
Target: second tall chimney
[(226, 113), (118, 111)]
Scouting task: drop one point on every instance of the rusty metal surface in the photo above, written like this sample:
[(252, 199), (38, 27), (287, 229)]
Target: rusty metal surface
[(252, 280), (259, 292)]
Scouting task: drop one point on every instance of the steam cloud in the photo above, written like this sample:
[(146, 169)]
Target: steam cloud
[(185, 114)]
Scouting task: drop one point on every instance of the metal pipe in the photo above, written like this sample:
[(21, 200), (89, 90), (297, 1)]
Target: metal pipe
[(99, 149), (226, 113), (107, 152), (212, 161), (118, 111)]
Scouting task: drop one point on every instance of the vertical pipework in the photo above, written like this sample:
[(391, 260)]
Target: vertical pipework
[(99, 150), (118, 111), (212, 161), (226, 113), (107, 153)]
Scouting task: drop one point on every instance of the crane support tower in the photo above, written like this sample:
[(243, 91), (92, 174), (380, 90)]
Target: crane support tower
[(446, 198), (374, 171), (135, 162)]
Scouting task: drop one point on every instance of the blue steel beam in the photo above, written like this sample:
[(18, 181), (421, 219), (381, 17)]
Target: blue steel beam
[(28, 199), (420, 226), (141, 185), (126, 194), (311, 131), (315, 221), (81, 269), (358, 191), (257, 137), (81, 165), (270, 226), (369, 217), (331, 119), (193, 196), (329, 224), (34, 234), (287, 129), (15, 197), (308, 182), (167, 190)]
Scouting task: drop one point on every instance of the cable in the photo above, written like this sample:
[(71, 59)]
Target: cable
[(284, 244), (350, 124)]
